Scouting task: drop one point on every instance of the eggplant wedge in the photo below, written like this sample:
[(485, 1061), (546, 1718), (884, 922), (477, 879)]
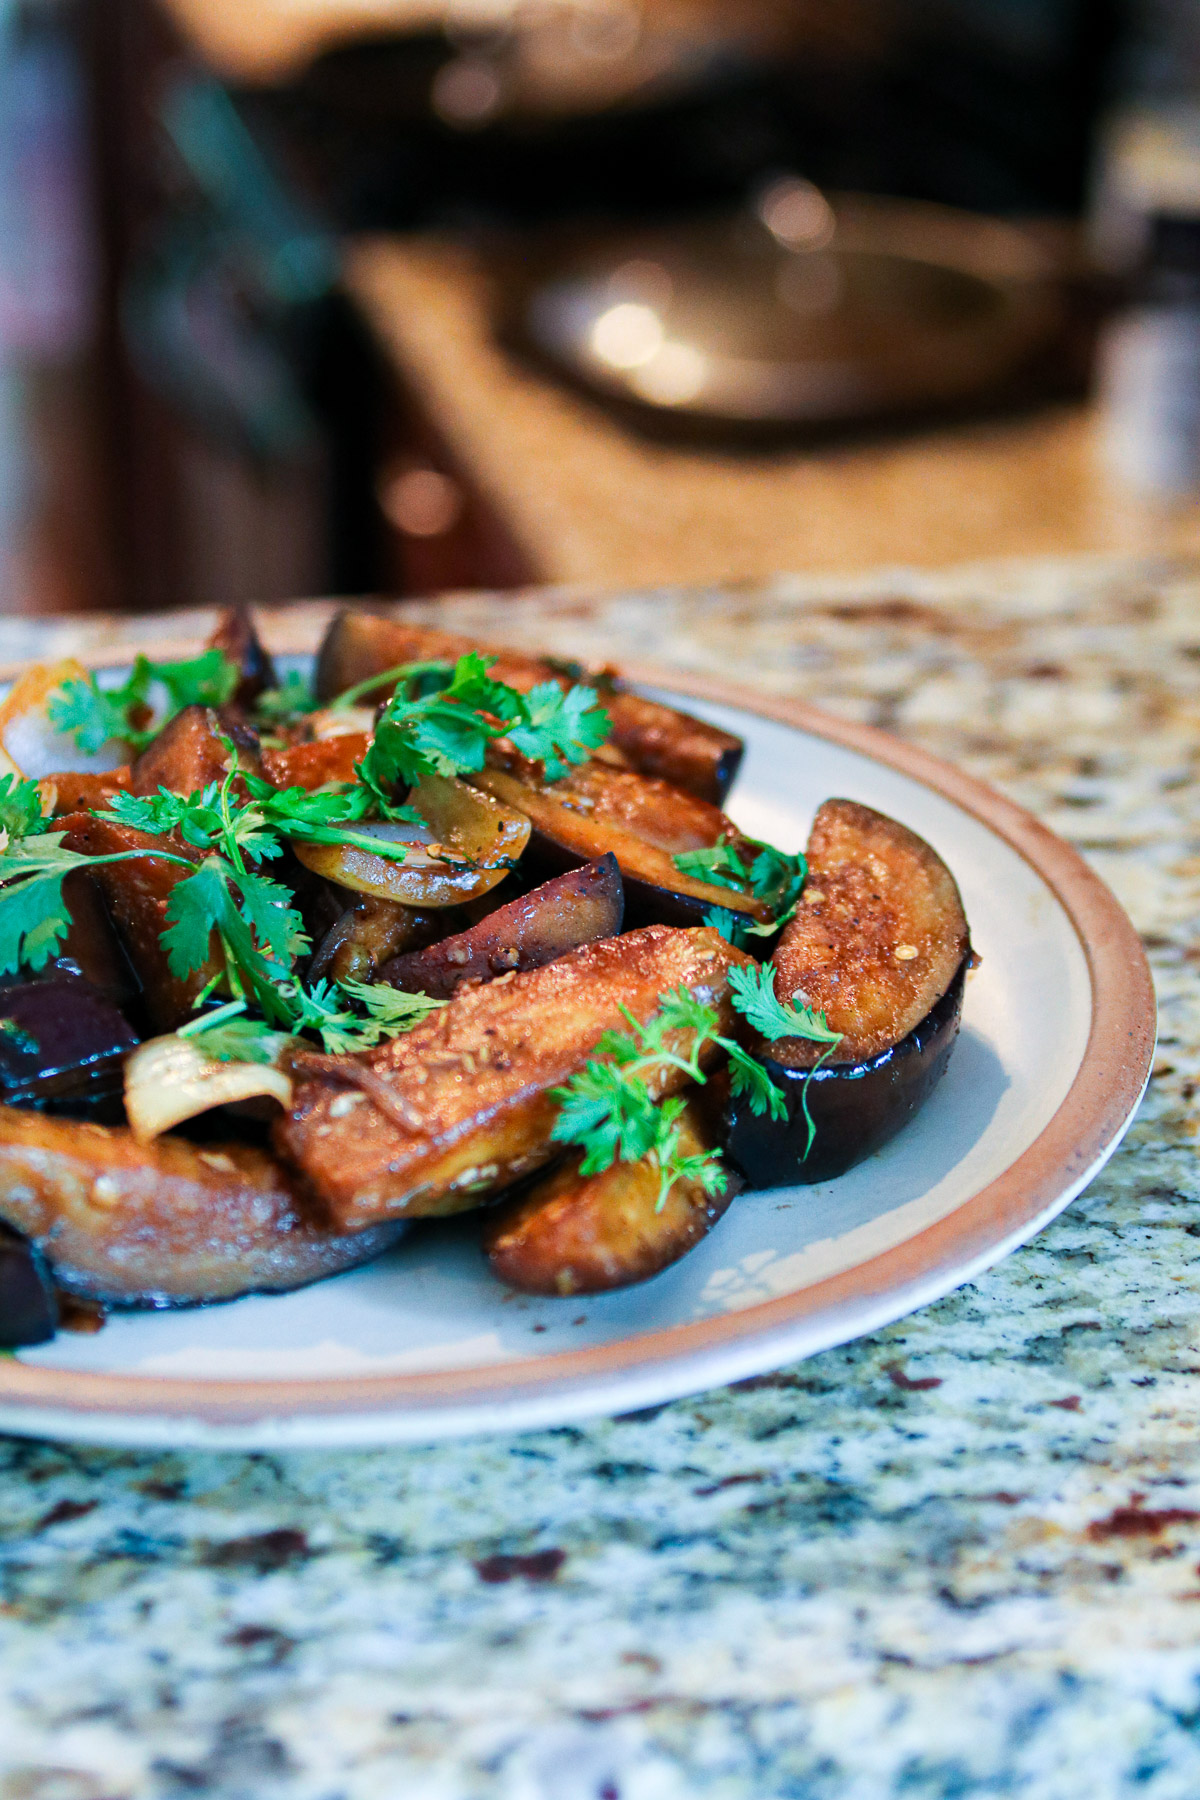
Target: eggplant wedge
[(371, 932), (655, 739), (577, 908), (236, 636), (164, 1224), (644, 823), (136, 895), (311, 765), (584, 1234), (434, 1122), (28, 1303), (190, 751), (879, 945)]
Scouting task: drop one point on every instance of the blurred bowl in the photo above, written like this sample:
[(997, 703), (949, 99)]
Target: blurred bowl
[(800, 312)]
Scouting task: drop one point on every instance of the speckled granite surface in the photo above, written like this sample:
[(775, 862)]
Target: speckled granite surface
[(959, 1559)]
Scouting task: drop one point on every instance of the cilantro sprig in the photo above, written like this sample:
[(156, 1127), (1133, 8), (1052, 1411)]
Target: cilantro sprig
[(34, 863), (442, 717), (95, 715), (771, 875), (608, 1108), (228, 1035)]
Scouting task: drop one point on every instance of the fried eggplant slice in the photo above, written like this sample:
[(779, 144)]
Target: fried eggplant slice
[(574, 909), (877, 938), (644, 823), (368, 934), (583, 1234), (312, 765), (81, 790), (855, 1108), (191, 750), (655, 739), (236, 636), (136, 895), (28, 1303), (91, 951), (433, 1122), (879, 944), (164, 1224)]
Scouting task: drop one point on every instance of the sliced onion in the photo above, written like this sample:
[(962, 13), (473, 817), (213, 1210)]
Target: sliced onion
[(169, 1079)]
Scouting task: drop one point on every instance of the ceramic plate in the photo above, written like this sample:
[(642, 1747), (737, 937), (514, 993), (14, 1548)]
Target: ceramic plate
[(1058, 1033)]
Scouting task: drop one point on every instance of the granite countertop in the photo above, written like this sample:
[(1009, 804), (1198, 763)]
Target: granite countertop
[(959, 1558)]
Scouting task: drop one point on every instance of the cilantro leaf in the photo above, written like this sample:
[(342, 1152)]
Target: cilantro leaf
[(294, 698), (560, 729), (94, 715), (755, 998), (772, 876), (20, 809)]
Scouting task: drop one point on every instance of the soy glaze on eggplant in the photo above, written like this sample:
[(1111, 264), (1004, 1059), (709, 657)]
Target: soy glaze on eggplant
[(879, 945)]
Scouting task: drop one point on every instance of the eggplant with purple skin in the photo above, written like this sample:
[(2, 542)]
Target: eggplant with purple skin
[(236, 636), (577, 908), (657, 740), (28, 1303), (880, 945), (644, 823), (62, 1048)]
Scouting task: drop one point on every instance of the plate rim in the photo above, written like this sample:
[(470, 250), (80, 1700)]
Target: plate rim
[(1046, 1176)]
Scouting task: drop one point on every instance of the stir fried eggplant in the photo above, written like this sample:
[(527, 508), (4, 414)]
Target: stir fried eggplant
[(582, 1234), (434, 1122), (28, 1303), (644, 823), (655, 739), (562, 915), (456, 935), (168, 1223), (879, 944)]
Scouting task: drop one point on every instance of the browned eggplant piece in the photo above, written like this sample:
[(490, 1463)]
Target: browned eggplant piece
[(168, 1223), (855, 1108), (583, 1234), (236, 635), (574, 909), (312, 765), (74, 790), (880, 946), (28, 1304), (190, 751), (136, 895), (368, 933), (62, 1046), (644, 823), (877, 938), (655, 739), (433, 1122)]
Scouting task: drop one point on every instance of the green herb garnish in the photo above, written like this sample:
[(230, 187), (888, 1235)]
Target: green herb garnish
[(771, 876), (94, 715)]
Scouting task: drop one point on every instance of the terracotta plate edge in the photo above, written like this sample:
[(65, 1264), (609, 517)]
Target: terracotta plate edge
[(1107, 1087)]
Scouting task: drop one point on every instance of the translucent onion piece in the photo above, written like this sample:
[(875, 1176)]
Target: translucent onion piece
[(29, 741), (169, 1079)]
